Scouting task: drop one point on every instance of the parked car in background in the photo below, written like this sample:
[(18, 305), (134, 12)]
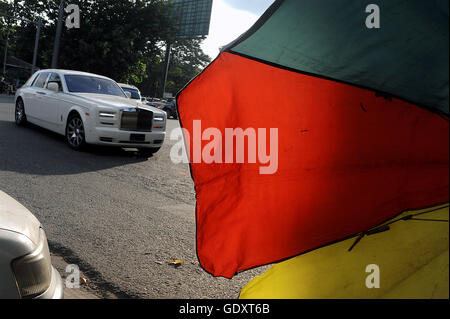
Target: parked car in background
[(171, 109), (167, 105), (134, 91), (156, 102), (89, 109), (26, 270)]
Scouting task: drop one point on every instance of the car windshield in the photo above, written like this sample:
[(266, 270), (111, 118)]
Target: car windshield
[(134, 93), (92, 84)]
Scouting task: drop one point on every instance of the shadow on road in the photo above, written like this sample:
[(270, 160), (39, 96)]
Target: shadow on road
[(36, 151)]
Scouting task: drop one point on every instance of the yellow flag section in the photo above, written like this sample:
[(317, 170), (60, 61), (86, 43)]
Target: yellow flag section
[(406, 257)]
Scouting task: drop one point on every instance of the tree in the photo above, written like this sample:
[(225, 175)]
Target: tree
[(187, 61), (121, 39)]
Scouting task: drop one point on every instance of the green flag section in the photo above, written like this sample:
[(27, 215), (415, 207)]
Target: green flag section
[(408, 260), (407, 56)]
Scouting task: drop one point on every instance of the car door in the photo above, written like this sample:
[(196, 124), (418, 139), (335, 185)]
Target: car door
[(27, 91), (53, 102), (33, 98)]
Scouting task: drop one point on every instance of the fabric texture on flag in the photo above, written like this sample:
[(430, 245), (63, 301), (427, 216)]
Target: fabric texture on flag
[(362, 128), (412, 259)]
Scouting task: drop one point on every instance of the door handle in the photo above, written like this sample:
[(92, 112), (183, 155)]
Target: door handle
[(42, 93)]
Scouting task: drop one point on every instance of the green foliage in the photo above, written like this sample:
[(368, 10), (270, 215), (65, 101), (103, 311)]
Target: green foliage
[(187, 61), (121, 39)]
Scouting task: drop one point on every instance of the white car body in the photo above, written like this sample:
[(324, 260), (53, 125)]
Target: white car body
[(22, 240), (101, 113)]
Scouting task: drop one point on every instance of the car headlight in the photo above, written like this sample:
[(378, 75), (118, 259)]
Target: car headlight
[(158, 119), (33, 272)]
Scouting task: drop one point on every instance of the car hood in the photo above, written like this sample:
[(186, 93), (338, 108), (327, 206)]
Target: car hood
[(115, 101), (16, 218)]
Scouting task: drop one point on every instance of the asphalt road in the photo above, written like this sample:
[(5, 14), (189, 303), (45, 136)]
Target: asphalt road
[(119, 216)]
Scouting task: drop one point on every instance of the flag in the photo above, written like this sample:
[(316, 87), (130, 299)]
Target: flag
[(312, 127)]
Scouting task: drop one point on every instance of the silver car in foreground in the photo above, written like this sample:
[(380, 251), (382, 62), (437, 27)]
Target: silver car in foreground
[(89, 109), (25, 265)]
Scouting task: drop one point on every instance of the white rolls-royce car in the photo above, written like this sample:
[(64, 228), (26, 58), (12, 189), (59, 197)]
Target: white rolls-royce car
[(89, 109), (26, 270)]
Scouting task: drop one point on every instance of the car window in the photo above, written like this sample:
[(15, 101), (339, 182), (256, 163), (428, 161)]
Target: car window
[(54, 77), (134, 93), (40, 80), (92, 84), (31, 80)]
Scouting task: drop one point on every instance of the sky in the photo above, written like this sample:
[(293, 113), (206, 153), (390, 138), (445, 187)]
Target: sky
[(229, 19)]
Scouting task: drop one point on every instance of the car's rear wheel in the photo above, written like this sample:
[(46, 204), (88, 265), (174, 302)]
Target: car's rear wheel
[(148, 151), (21, 118), (75, 134)]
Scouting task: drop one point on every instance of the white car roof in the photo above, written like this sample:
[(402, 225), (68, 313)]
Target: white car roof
[(66, 72), (128, 86)]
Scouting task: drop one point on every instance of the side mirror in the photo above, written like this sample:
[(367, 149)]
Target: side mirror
[(128, 94), (53, 86)]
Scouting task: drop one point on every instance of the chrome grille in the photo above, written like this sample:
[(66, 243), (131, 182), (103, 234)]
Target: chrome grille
[(136, 120)]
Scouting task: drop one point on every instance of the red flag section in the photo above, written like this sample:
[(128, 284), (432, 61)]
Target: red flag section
[(347, 160)]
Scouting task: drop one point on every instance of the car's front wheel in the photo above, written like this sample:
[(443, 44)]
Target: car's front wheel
[(75, 134), (21, 118)]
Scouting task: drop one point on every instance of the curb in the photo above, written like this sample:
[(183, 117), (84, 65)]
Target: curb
[(84, 292)]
